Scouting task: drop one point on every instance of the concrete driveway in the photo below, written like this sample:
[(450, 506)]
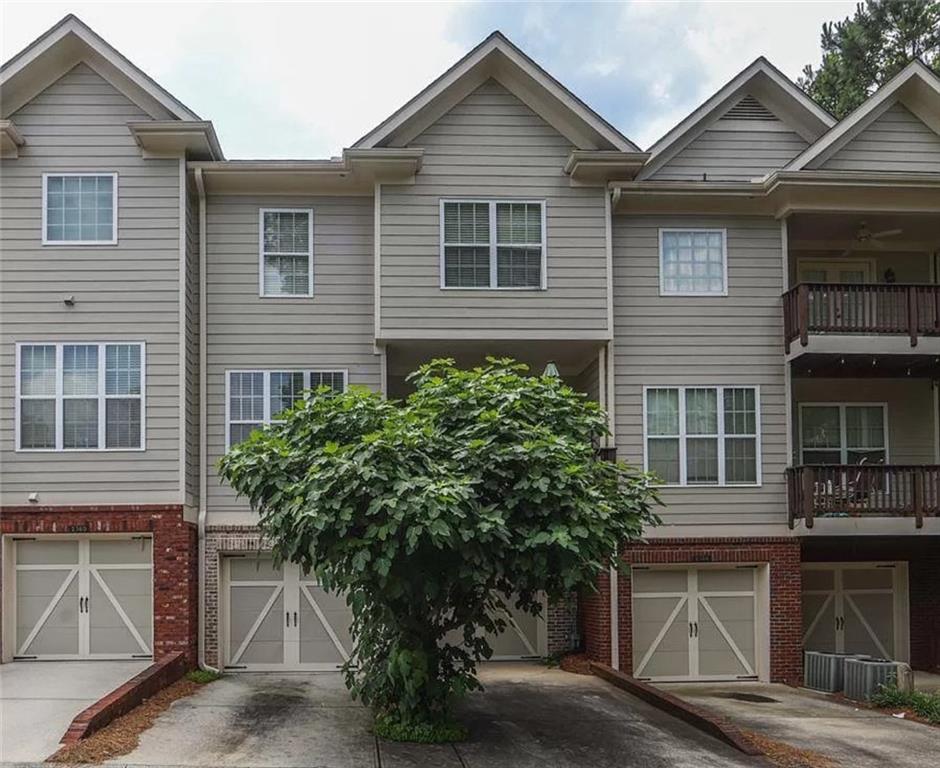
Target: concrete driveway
[(861, 738), (529, 716), (38, 700)]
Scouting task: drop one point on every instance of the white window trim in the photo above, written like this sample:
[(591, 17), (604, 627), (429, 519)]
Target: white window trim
[(114, 202), (262, 254), (843, 447), (682, 435), (102, 397), (492, 203), (724, 261), (267, 392)]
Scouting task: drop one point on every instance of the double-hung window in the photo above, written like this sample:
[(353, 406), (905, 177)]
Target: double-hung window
[(286, 252), (79, 208), (493, 244), (80, 397), (693, 262), (703, 435), (843, 433), (256, 398)]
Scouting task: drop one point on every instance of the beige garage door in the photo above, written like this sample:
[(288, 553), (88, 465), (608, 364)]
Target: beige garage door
[(276, 618), (84, 598), (854, 608), (695, 623)]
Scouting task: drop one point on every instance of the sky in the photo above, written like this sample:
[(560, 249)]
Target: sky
[(304, 79)]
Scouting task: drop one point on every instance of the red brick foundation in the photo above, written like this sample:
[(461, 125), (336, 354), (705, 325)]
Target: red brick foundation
[(783, 557), (175, 558)]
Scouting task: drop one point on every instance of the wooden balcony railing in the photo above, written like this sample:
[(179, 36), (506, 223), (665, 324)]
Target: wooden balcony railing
[(863, 490), (912, 310)]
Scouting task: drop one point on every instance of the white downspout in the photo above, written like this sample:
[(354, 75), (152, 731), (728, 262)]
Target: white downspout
[(203, 419)]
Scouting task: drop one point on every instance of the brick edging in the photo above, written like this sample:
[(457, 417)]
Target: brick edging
[(125, 697), (695, 716)]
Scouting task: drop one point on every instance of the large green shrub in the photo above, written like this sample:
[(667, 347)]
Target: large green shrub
[(484, 483)]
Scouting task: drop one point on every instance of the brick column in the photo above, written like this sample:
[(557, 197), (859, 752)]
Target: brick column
[(595, 620)]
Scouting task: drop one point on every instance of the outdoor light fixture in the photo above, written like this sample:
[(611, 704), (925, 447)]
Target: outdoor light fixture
[(69, 301), (551, 370)]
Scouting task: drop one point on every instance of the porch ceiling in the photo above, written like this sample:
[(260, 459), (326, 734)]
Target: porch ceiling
[(837, 366), (571, 357), (839, 231)]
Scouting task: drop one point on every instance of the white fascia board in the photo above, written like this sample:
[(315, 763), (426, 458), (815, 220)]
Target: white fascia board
[(856, 121), (686, 131)]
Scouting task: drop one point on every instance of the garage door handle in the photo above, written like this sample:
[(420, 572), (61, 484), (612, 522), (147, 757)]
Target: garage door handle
[(295, 618), (287, 618), (696, 629)]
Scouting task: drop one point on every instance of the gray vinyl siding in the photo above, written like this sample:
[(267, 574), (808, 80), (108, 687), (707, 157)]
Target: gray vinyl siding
[(677, 341), (490, 146), (896, 141), (911, 416), (733, 154), (125, 292), (332, 330), (192, 345)]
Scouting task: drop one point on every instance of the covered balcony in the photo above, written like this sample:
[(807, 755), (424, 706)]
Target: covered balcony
[(865, 445), (862, 281)]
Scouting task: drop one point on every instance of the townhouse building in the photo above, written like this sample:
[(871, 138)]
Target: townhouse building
[(754, 302)]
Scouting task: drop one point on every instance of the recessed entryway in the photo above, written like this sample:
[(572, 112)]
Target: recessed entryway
[(697, 622), (856, 608), (83, 598)]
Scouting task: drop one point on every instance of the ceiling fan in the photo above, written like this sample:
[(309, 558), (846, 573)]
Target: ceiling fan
[(864, 236)]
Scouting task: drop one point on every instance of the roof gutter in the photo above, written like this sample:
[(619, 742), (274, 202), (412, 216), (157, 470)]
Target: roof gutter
[(203, 419)]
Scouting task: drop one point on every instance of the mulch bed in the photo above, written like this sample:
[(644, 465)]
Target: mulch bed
[(123, 735), (577, 663), (787, 756)]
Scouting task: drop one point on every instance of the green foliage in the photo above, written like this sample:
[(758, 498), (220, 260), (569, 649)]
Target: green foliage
[(427, 513), (203, 676), (423, 733), (866, 50), (921, 703)]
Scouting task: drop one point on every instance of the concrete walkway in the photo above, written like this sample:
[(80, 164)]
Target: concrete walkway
[(38, 700), (529, 717), (855, 737)]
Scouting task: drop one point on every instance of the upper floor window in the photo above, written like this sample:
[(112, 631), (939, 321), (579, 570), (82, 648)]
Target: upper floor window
[(79, 208), (493, 244), (286, 258), (73, 397), (693, 262), (703, 435), (843, 433), (255, 398)]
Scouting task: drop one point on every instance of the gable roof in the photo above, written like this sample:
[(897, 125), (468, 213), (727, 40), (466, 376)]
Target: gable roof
[(916, 85), (775, 90), (498, 58), (66, 44)]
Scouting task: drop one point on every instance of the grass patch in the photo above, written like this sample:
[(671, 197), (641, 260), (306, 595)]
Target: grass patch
[(203, 676), (421, 733), (924, 705)]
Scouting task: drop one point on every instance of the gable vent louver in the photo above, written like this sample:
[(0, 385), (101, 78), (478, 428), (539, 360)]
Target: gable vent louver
[(749, 108)]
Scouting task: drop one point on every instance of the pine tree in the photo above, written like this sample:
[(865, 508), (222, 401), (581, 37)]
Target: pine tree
[(864, 51)]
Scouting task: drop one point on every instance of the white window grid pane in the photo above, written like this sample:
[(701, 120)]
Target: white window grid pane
[(842, 433), (80, 369), (122, 422), (37, 370), (71, 414), (255, 398), (692, 262), (37, 424), (466, 266), (864, 427), (80, 423), (286, 252), (122, 369), (691, 421), (492, 244), (79, 208)]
